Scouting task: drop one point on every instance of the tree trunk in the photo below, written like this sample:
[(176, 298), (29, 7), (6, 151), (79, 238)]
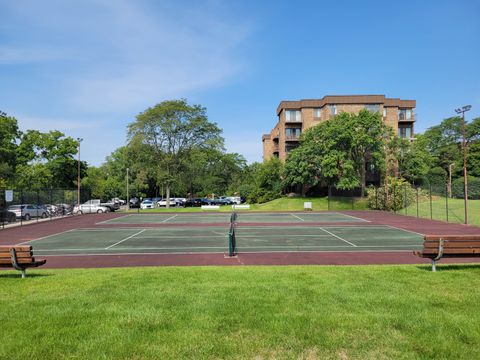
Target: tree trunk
[(168, 195)]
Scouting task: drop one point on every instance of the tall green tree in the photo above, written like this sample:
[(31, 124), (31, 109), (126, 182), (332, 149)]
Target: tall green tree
[(9, 135), (172, 130), (338, 151)]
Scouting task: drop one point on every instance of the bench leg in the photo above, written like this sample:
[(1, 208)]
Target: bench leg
[(24, 273), (434, 266)]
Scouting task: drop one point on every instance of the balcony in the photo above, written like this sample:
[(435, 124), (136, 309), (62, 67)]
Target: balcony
[(292, 137)]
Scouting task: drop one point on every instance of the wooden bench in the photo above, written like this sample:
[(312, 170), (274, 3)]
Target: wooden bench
[(19, 257), (436, 247)]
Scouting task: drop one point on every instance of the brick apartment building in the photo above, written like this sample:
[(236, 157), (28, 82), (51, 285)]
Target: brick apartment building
[(297, 116)]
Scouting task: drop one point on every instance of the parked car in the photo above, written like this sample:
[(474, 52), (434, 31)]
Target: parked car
[(134, 203), (7, 216), (28, 211), (147, 204), (91, 206), (193, 202), (173, 202)]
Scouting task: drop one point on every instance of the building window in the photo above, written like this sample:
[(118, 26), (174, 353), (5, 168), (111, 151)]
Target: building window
[(373, 107), (405, 132), (293, 115), (333, 109), (292, 133), (317, 112), (384, 112), (289, 148), (404, 114)]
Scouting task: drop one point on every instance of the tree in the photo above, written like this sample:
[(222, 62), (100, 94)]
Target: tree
[(172, 130), (9, 134), (338, 151)]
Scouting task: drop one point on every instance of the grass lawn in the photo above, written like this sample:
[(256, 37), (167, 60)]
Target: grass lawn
[(306, 312), (285, 204), (456, 210)]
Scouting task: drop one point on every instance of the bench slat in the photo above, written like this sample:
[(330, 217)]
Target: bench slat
[(453, 251), (20, 261), (19, 253), (452, 244), (16, 247), (451, 237)]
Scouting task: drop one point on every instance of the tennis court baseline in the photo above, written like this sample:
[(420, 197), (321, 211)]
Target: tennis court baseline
[(165, 240)]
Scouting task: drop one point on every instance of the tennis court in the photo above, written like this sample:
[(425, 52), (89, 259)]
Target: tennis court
[(213, 239), (203, 218)]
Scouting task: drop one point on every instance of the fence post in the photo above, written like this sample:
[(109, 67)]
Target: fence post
[(329, 194), (394, 200), (353, 198), (431, 213), (446, 201), (417, 200)]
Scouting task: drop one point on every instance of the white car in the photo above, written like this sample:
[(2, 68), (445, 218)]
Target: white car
[(173, 202), (147, 204), (89, 207)]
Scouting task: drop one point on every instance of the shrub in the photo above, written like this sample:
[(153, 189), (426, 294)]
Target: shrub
[(473, 188), (400, 195)]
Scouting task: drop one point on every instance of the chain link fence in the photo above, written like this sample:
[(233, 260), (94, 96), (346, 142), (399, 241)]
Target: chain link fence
[(430, 200), (19, 207)]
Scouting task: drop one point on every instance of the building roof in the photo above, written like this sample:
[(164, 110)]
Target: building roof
[(346, 99)]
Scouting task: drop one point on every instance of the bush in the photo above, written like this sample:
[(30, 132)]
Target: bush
[(400, 195), (473, 188)]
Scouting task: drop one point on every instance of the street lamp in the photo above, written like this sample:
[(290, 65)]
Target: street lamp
[(79, 140), (462, 111)]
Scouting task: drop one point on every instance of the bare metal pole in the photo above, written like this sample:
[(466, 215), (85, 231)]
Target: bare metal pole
[(128, 197), (462, 111), (79, 140)]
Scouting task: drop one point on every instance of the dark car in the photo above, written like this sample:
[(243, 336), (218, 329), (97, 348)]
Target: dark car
[(194, 202), (134, 203), (7, 216)]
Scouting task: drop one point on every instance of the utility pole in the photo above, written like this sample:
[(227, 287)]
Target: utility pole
[(79, 140), (462, 111)]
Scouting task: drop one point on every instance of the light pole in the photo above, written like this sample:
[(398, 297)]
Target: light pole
[(462, 111), (128, 197), (79, 140)]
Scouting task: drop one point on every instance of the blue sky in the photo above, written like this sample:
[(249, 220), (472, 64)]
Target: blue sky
[(88, 67)]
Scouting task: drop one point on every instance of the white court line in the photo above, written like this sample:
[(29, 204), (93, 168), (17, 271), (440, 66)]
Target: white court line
[(338, 237), (109, 221), (171, 217), (241, 247), (351, 216), (118, 242), (220, 235), (44, 237), (298, 217), (413, 232)]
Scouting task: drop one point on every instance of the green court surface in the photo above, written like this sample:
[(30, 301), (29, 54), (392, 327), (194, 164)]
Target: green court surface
[(225, 218), (214, 240)]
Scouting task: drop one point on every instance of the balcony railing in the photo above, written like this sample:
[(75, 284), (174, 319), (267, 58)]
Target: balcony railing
[(292, 137)]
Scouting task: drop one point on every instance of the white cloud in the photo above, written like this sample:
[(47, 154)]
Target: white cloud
[(131, 53), (47, 123)]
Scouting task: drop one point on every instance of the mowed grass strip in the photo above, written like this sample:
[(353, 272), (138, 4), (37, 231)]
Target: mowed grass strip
[(309, 312), (282, 204)]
